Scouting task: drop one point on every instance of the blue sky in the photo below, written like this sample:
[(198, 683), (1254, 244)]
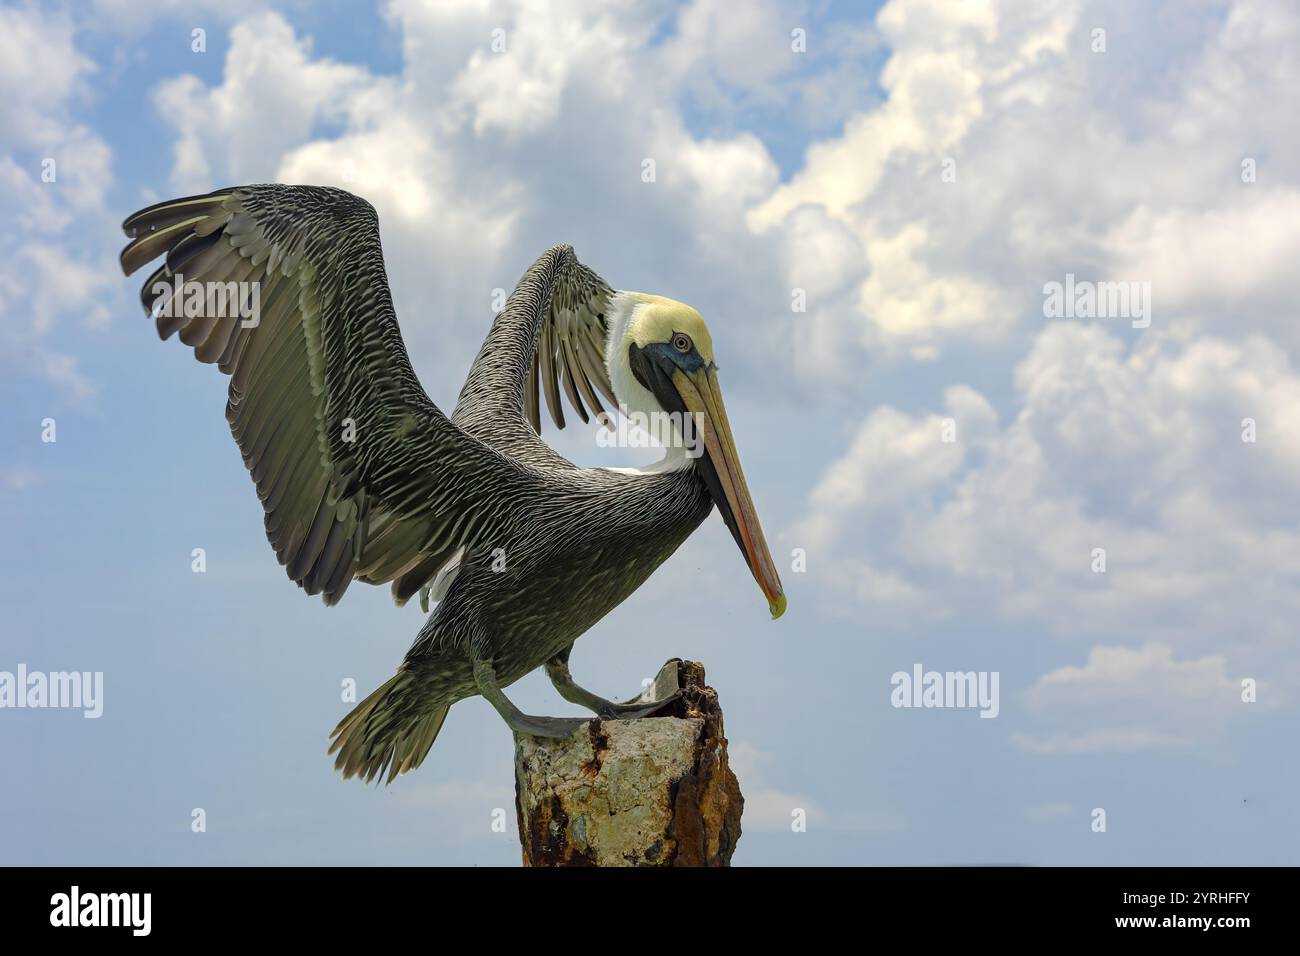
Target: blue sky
[(1166, 159)]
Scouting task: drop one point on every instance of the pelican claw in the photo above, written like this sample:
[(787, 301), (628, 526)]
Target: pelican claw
[(635, 709)]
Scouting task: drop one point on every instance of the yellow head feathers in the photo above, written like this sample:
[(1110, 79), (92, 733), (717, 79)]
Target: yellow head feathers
[(656, 318)]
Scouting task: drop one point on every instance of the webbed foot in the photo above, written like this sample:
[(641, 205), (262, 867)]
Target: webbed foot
[(635, 709), (557, 727)]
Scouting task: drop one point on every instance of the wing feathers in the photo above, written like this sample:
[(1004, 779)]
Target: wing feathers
[(404, 484), (550, 374), (572, 343)]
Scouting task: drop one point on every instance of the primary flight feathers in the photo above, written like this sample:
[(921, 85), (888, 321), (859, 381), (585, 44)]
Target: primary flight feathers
[(360, 474)]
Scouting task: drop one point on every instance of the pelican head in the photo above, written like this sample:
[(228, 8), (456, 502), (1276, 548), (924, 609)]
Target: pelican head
[(660, 358)]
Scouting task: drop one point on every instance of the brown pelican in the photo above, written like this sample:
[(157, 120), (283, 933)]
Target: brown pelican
[(362, 476)]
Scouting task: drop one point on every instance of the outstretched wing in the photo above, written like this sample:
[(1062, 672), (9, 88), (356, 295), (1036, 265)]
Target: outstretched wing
[(550, 335), (360, 474), (570, 350)]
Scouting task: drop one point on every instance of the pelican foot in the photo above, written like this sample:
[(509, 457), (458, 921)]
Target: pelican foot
[(557, 668), (635, 710), (521, 723), (557, 727)]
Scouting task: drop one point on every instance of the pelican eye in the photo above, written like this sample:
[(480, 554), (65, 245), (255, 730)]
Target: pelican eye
[(682, 342)]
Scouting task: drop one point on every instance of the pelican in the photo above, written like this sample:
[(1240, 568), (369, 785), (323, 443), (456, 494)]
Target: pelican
[(362, 477)]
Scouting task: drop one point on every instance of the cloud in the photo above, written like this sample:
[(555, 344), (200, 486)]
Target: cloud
[(718, 47), (772, 809), (54, 175), (767, 808), (1005, 153), (1197, 266), (469, 809), (43, 78), (932, 98), (1132, 699), (18, 478), (1139, 453), (951, 68), (907, 302), (891, 460), (514, 85), (478, 161), (41, 71), (273, 96), (64, 371)]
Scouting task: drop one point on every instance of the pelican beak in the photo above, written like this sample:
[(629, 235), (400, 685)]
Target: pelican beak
[(699, 393)]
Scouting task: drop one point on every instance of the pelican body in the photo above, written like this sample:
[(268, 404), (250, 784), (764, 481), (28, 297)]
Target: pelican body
[(362, 477)]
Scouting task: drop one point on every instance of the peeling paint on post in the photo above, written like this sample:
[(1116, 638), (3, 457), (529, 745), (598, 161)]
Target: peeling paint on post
[(651, 792)]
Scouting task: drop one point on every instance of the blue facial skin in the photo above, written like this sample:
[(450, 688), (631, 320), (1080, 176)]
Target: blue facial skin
[(653, 367), (662, 358)]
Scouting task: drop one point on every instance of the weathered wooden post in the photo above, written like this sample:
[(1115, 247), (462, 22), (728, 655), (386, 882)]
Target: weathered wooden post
[(650, 792)]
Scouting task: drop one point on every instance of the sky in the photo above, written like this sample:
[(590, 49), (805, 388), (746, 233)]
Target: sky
[(870, 204)]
